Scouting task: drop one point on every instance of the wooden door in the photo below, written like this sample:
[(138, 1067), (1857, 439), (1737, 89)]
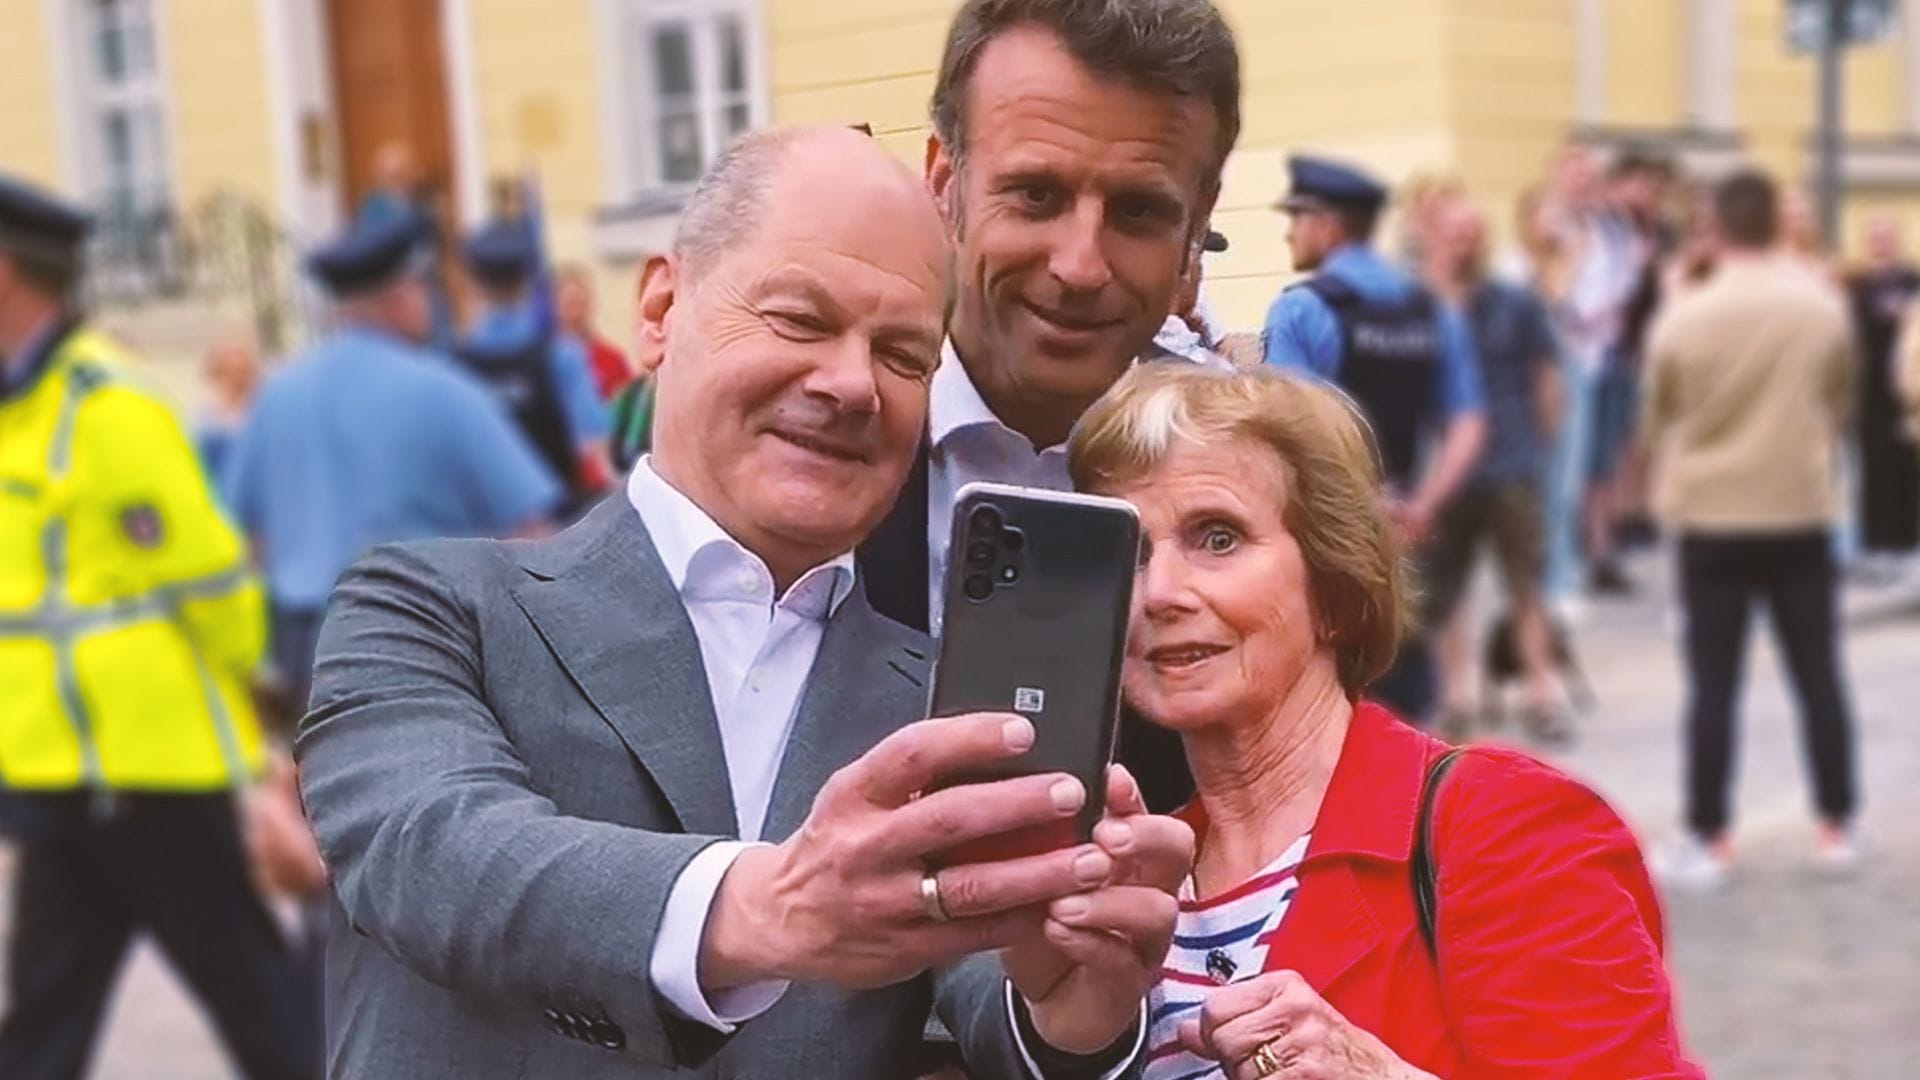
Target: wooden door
[(390, 83)]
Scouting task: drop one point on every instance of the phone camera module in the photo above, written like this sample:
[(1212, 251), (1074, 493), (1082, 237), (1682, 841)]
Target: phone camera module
[(1009, 574), (977, 587), (980, 552), (985, 520), (1013, 540)]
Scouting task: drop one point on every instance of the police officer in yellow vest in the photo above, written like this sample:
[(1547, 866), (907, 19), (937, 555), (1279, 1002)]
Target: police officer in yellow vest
[(129, 624)]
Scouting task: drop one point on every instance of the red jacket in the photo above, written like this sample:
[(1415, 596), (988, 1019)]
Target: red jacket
[(1549, 930)]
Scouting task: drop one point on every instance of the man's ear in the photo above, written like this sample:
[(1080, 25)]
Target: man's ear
[(653, 313), (940, 176)]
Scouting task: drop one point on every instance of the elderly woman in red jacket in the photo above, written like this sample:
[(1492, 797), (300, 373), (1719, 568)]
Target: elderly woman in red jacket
[(1269, 595)]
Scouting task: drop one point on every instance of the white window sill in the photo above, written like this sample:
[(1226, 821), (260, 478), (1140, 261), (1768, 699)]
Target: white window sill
[(640, 228)]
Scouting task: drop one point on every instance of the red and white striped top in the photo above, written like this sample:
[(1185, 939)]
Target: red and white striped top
[(1216, 941)]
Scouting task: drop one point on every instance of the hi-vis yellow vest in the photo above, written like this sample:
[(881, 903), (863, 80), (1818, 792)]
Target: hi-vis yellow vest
[(129, 620)]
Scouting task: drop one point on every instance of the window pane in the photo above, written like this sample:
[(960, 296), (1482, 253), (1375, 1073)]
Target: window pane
[(739, 118), (681, 159), (137, 46), (672, 60), (117, 135), (733, 54), (110, 54)]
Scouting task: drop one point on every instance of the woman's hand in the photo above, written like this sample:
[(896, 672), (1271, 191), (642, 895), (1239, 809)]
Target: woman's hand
[(1276, 1026)]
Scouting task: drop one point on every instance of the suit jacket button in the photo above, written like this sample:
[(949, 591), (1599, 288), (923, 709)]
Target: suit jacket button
[(609, 1035)]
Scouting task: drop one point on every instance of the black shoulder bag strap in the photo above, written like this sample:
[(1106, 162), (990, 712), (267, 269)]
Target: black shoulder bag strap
[(1426, 875)]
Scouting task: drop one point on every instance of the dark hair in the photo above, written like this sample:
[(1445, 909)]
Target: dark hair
[(1177, 47), (1747, 207), (54, 277), (1358, 222), (1640, 159)]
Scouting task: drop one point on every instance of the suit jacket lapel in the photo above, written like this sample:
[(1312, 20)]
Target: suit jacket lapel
[(864, 684), (893, 561), (601, 599)]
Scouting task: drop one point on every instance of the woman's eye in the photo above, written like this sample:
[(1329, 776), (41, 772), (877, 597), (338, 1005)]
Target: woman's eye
[(1219, 540)]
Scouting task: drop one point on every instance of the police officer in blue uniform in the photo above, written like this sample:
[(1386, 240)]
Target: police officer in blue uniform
[(1406, 359), (369, 438), (541, 375)]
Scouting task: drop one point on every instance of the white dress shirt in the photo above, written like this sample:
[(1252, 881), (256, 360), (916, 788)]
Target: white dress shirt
[(967, 444), (757, 652)]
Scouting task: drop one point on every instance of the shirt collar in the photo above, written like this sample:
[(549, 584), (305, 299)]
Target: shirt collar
[(20, 370), (1348, 255), (704, 563), (953, 402)]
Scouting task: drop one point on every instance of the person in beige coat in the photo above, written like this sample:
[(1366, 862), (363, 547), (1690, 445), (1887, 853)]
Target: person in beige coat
[(1749, 394)]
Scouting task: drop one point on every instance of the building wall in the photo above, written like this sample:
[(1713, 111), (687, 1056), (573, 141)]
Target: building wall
[(1365, 81), (29, 143), (538, 104), (214, 59), (1512, 71)]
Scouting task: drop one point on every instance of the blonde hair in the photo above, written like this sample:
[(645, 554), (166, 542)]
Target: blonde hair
[(1356, 576)]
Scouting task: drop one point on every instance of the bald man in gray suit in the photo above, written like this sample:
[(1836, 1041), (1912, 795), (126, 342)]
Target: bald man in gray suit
[(654, 796)]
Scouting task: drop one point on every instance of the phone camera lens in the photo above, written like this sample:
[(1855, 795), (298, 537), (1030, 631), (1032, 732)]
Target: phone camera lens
[(1013, 540), (977, 587), (980, 552), (1009, 574), (985, 520)]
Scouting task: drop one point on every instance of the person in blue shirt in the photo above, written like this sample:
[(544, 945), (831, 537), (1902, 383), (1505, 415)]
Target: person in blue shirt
[(539, 373), (1439, 414), (1406, 359), (368, 438)]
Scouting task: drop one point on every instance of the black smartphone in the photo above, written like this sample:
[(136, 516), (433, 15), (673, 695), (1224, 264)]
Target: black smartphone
[(1038, 590)]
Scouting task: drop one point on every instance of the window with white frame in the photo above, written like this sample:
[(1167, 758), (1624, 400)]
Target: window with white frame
[(122, 112), (694, 79)]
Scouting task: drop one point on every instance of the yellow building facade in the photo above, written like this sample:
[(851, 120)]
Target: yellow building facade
[(615, 104)]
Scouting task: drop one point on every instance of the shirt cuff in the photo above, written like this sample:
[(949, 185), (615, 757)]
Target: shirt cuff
[(1034, 1072), (675, 964)]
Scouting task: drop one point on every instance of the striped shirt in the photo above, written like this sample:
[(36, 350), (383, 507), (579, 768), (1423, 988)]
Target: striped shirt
[(1215, 941)]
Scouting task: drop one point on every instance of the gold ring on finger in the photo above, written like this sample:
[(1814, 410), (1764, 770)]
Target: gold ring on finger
[(930, 902)]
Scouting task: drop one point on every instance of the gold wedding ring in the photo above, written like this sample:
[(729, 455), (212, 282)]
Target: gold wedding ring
[(1267, 1061), (930, 901)]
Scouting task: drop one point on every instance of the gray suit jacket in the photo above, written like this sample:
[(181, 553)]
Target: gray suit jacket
[(511, 756)]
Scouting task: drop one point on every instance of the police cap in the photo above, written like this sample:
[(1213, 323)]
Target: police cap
[(35, 223), (371, 255), (1322, 184), (501, 255)]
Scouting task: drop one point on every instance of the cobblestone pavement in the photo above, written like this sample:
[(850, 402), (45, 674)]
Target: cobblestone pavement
[(1784, 975)]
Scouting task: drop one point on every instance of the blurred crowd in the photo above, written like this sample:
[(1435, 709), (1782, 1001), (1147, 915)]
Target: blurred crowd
[(1653, 357)]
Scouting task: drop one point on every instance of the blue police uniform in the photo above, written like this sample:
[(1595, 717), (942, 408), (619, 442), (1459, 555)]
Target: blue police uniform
[(1408, 383), (1302, 330), (367, 439), (541, 375)]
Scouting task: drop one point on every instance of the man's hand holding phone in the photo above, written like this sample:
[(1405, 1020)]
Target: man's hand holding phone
[(1099, 952), (844, 899)]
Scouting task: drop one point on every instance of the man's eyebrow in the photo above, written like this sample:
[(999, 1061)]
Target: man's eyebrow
[(793, 280)]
